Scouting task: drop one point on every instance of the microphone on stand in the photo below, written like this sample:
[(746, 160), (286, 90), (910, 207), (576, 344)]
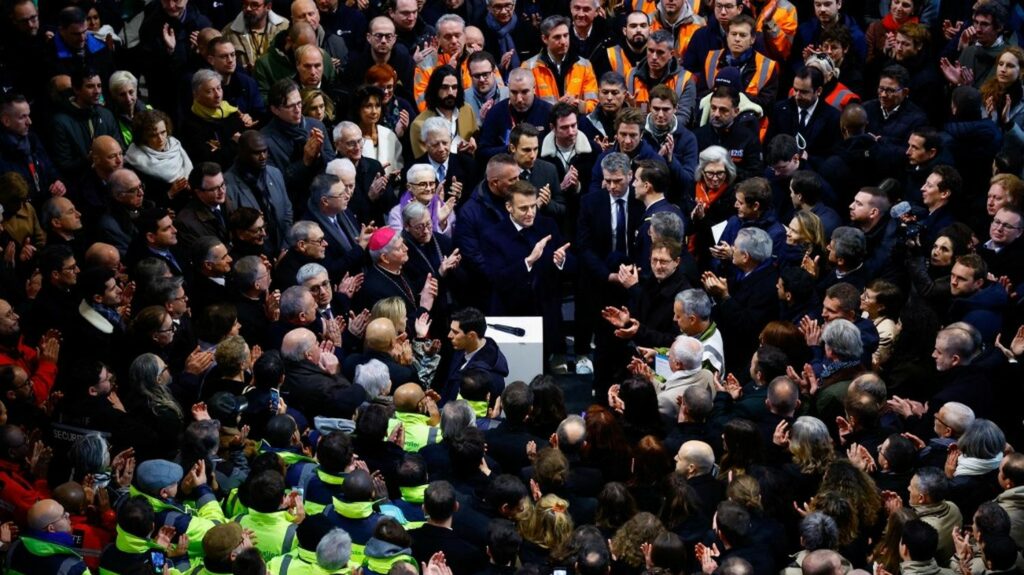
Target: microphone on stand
[(516, 331)]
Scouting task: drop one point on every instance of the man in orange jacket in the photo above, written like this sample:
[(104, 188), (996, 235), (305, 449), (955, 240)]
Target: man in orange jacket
[(451, 51), (560, 75), (40, 364), (21, 488)]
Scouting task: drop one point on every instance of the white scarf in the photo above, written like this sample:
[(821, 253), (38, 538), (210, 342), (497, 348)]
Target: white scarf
[(976, 466), (168, 165)]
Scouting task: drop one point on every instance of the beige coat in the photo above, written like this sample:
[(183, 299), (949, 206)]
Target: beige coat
[(943, 516), (244, 41), (1012, 500)]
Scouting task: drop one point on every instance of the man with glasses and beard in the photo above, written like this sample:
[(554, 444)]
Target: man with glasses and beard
[(253, 30)]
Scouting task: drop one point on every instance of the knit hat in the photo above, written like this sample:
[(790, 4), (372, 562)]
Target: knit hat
[(221, 540), (824, 63), (153, 475), (729, 76), (381, 237)]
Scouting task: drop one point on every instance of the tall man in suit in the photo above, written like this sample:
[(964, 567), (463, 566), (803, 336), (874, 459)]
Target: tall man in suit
[(805, 115), (606, 242), (524, 145), (525, 259)]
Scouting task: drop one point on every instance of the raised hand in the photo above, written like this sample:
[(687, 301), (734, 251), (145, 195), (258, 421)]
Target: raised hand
[(891, 501), (618, 317), (538, 250), (780, 436), (844, 427), (811, 330), (450, 262), (350, 284)]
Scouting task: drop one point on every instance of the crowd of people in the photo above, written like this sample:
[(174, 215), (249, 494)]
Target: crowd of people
[(250, 249)]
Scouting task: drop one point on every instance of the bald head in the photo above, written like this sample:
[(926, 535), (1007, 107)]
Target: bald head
[(695, 458), (297, 344), (304, 14), (474, 39), (72, 496), (408, 397), (14, 438), (101, 255), (205, 35), (105, 155), (822, 562), (46, 516), (380, 334)]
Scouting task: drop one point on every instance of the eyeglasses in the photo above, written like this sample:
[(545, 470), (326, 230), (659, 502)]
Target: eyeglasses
[(322, 286), (222, 186), (421, 227), (502, 7), (320, 240), (1004, 225), (381, 36), (28, 19), (482, 75), (714, 175), (422, 185), (69, 268), (888, 90), (293, 106), (136, 191), (172, 329), (227, 56)]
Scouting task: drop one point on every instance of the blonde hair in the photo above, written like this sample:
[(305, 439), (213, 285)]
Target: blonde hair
[(811, 445), (642, 528), (232, 354), (392, 308), (547, 524), (811, 230), (307, 102)]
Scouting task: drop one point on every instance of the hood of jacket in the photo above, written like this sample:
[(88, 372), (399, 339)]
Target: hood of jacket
[(643, 70), (929, 567), (489, 358), (382, 549), (686, 16)]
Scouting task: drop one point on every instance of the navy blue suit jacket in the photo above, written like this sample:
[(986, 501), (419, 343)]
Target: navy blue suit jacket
[(821, 132), (594, 235)]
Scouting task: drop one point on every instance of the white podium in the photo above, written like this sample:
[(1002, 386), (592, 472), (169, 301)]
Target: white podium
[(525, 354)]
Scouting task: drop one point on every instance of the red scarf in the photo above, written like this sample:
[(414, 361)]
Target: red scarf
[(891, 25)]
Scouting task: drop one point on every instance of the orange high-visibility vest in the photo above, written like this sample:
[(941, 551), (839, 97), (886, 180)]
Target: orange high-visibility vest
[(421, 77), (683, 35), (579, 82), (618, 60), (841, 97), (784, 15), (639, 91), (764, 67)]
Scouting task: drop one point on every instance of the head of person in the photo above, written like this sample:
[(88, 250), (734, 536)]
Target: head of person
[(686, 353), (842, 341), (387, 249), (869, 206), (922, 146), (87, 87), (71, 27), (611, 93), (521, 88), (286, 102), (988, 21), (524, 145), (207, 90), (1004, 190), (474, 37), (481, 67), (953, 347), (660, 51), (564, 124), (753, 246), (468, 329), (665, 257), (123, 88), (522, 203), (662, 107), (691, 311), (807, 83), (381, 36), (451, 34), (968, 275), (299, 345), (911, 39), (740, 34), (753, 199), (1006, 226), (805, 230), (305, 11), (384, 77), (309, 64), (636, 30), (694, 458), (502, 172), (941, 187), (616, 174), (25, 17), (893, 86), (404, 14), (444, 89), (651, 179), (726, 10), (554, 33), (784, 155), (15, 115), (827, 11), (725, 105), (666, 226), (417, 222), (247, 226), (715, 168), (308, 239), (437, 138), (629, 130), (58, 266), (348, 140)]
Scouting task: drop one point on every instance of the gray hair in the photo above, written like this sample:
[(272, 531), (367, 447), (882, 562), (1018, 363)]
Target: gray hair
[(413, 211), (957, 416), (695, 302), (309, 271), (755, 242), (616, 162), (843, 338), (688, 351), (849, 243), (120, 78), (321, 186), (301, 231), (293, 301), (345, 125), (932, 483), (456, 416), (335, 550), (552, 22), (572, 431), (450, 19), (201, 77), (339, 166), (809, 435), (296, 348), (203, 248), (247, 270), (143, 380), (715, 155), (164, 290), (961, 339), (435, 124), (698, 401), (374, 377), (698, 454), (119, 178), (521, 74), (983, 440), (667, 225), (386, 248), (414, 171), (90, 454), (818, 531), (662, 36)]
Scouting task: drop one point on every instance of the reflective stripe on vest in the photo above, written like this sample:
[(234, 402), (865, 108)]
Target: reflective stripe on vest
[(763, 68), (618, 60), (840, 98)]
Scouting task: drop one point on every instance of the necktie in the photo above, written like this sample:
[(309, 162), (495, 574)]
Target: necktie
[(524, 175), (803, 117), (346, 227), (220, 217), (620, 226), (441, 171)]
